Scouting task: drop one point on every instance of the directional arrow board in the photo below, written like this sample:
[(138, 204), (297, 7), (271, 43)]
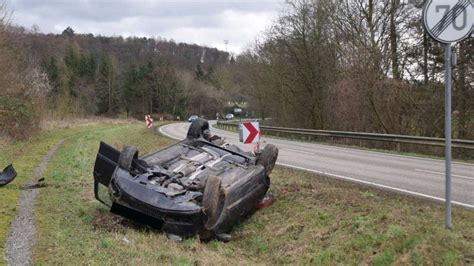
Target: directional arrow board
[(148, 121), (249, 132), (449, 21)]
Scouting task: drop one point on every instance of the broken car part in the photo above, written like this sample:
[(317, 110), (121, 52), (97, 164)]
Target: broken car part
[(7, 175)]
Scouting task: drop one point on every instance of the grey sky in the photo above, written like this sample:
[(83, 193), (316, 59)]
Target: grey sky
[(202, 22)]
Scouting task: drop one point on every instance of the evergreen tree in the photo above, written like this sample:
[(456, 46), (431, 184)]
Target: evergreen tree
[(52, 70), (87, 66), (68, 32), (200, 75), (105, 86), (130, 91), (72, 58)]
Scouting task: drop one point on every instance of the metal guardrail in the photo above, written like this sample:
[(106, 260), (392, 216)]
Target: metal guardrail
[(456, 143)]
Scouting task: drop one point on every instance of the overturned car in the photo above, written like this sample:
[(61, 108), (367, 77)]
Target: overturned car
[(200, 185)]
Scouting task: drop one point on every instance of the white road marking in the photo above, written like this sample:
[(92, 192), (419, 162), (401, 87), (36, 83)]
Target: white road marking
[(439, 173), (377, 185), (160, 129), (300, 151)]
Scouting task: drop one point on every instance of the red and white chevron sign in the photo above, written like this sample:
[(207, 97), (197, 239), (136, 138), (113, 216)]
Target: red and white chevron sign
[(249, 132), (149, 121)]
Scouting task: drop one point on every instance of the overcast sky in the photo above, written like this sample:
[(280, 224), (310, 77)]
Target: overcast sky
[(207, 22)]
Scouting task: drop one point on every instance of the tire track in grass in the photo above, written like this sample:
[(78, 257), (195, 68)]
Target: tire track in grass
[(22, 234)]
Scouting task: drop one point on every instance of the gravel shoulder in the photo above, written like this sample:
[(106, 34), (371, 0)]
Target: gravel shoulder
[(22, 234)]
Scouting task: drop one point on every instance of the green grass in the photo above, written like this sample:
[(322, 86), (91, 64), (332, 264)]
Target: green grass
[(25, 156), (314, 220)]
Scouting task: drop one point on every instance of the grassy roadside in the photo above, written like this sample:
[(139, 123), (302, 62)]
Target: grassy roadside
[(25, 156), (314, 220)]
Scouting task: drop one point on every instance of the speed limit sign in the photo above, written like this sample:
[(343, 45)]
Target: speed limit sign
[(449, 21)]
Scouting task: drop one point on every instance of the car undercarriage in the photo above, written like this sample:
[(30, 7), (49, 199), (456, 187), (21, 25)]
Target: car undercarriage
[(199, 185)]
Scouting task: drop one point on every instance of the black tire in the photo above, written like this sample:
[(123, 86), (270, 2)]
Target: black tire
[(128, 154), (213, 202), (197, 127), (268, 158)]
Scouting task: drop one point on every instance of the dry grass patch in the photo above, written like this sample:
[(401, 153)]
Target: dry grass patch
[(71, 122)]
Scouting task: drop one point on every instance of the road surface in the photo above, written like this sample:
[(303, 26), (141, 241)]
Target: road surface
[(416, 176)]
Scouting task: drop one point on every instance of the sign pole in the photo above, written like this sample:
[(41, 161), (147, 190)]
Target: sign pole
[(447, 129), (448, 21)]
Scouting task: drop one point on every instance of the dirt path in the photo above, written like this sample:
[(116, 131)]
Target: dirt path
[(21, 238)]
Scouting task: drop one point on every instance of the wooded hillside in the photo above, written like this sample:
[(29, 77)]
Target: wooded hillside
[(353, 65), (110, 75)]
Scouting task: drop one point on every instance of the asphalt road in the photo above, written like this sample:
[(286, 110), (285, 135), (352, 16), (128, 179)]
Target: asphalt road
[(416, 176)]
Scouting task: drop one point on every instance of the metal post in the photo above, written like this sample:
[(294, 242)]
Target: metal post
[(447, 130)]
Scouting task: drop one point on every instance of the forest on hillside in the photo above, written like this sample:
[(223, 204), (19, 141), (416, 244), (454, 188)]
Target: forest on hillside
[(353, 65), (75, 75)]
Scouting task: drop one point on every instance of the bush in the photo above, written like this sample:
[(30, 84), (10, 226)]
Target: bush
[(18, 118)]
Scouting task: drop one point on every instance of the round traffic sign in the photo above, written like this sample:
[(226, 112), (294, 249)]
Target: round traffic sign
[(448, 21)]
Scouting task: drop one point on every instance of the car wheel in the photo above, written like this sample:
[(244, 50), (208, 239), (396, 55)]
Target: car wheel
[(267, 158), (128, 154), (213, 201), (196, 128)]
